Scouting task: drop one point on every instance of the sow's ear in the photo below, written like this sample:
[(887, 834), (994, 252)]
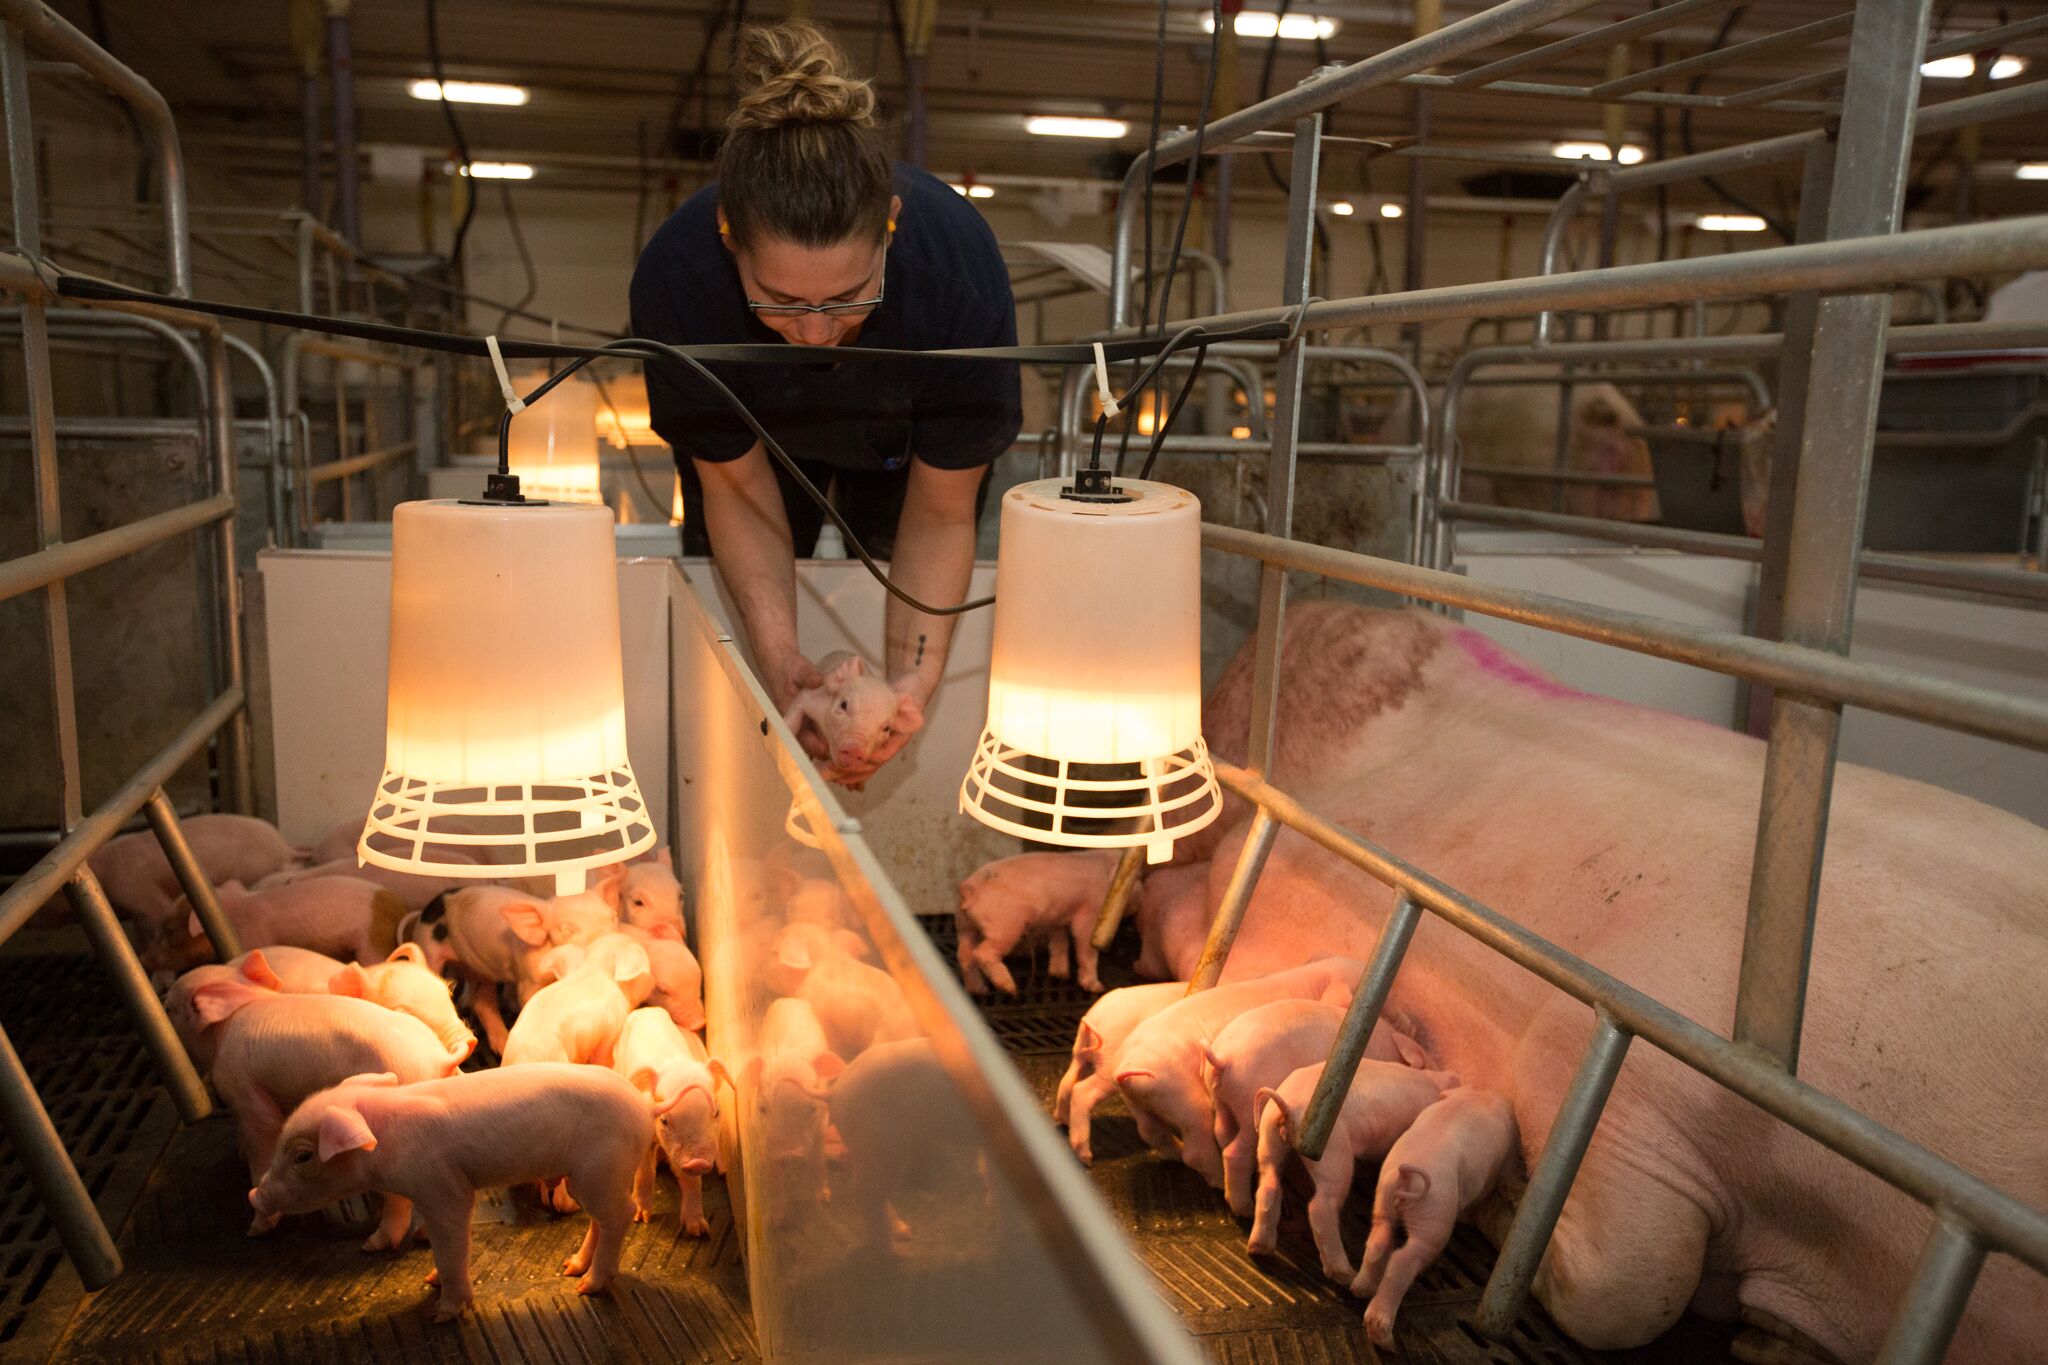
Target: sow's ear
[(342, 1130)]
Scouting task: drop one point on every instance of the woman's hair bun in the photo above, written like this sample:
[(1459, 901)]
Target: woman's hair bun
[(792, 73)]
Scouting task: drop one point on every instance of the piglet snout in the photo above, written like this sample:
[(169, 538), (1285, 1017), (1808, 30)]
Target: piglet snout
[(696, 1166)]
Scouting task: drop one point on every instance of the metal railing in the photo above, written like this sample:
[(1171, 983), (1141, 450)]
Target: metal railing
[(1839, 273), (22, 1116)]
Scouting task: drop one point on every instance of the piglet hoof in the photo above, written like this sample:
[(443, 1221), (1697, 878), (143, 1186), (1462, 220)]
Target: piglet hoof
[(592, 1284), (642, 1214), (380, 1241), (433, 1278), (1092, 984), (697, 1227), (449, 1307), (576, 1265), (262, 1223), (1379, 1327), (564, 1202)]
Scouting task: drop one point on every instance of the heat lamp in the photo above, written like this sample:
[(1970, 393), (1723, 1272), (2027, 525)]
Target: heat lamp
[(553, 445), (1094, 733), (505, 729)]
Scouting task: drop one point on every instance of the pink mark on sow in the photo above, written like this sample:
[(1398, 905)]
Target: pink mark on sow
[(1491, 658)]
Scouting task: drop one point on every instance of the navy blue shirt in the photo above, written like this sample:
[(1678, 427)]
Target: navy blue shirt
[(945, 286)]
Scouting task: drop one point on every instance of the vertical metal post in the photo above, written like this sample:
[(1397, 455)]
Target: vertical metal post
[(1237, 898), (1536, 1218), (1827, 529), (341, 72), (1356, 1030), (42, 418), (235, 771), (1934, 1302), (1795, 360), (63, 1195), (1301, 228), (170, 836), (131, 985), (1120, 887), (309, 144)]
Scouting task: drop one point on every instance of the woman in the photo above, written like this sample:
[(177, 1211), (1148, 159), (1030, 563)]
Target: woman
[(812, 236)]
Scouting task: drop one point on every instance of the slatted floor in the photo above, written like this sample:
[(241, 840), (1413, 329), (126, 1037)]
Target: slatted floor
[(198, 1291), (1279, 1310)]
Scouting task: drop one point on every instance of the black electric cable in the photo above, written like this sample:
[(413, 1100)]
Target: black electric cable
[(1187, 387), (1685, 142), (454, 126)]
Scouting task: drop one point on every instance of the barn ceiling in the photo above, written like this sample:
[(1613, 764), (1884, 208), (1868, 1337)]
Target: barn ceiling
[(623, 90)]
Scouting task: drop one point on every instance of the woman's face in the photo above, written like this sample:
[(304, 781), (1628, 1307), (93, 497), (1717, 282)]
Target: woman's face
[(775, 271)]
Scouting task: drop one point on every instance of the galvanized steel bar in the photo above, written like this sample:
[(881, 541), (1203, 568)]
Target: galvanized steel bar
[(1654, 21), (45, 30), (170, 836), (1818, 31), (1507, 1288), (1814, 672), (1899, 568), (236, 753), (1237, 898), (356, 464), (40, 1149), (132, 988), (1317, 93), (1846, 370), (2004, 1222), (2003, 246), (67, 558), (21, 900), (1980, 41), (1125, 880), (1297, 268), (1353, 1035), (1927, 1317)]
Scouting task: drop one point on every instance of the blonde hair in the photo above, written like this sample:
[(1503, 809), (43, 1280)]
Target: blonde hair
[(802, 159)]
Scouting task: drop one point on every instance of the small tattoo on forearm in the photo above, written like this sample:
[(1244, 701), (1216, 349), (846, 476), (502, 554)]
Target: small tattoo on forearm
[(920, 651)]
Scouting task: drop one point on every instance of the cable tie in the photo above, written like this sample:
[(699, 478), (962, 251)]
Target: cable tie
[(1109, 404), (512, 398)]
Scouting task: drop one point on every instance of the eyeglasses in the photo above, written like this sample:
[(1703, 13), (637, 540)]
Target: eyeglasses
[(852, 308)]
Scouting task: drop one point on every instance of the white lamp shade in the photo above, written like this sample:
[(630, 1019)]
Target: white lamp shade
[(552, 445), (1095, 681), (506, 723)]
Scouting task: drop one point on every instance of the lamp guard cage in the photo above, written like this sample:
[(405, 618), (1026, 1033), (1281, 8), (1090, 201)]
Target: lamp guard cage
[(558, 828), (797, 825), (1169, 797)]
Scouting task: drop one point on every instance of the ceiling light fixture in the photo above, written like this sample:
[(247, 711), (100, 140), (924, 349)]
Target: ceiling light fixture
[(1596, 151), (1391, 210), (1729, 222), (973, 191), (1342, 208), (497, 170), (1258, 23), (1063, 125), (469, 92), (2031, 170), (1961, 68)]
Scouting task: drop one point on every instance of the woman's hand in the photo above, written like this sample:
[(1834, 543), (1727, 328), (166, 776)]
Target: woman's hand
[(787, 675)]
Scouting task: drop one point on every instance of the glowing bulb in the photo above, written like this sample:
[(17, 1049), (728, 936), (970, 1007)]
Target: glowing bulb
[(1342, 208), (1391, 210), (1256, 23), (973, 191), (1961, 68), (505, 722), (1095, 696), (2031, 170), (553, 445), (497, 170)]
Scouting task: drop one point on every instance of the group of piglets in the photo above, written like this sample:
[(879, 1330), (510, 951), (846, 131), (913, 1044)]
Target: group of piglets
[(839, 1064), (337, 1043), (1221, 1079)]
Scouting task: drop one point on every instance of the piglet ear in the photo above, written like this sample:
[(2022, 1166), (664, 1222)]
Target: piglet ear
[(718, 1072), (528, 921), (193, 926), (1412, 1053), (612, 888), (846, 670), (850, 943), (1410, 1184), (909, 715), (629, 962), (828, 1066), (256, 969), (1087, 1042), (642, 1078), (349, 981), (408, 952), (342, 1130), (667, 929), (217, 1001)]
